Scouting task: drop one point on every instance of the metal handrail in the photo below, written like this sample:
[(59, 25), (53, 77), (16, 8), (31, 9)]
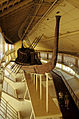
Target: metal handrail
[(76, 100), (64, 80), (72, 66), (2, 116), (7, 113), (9, 78), (7, 53), (2, 99), (7, 108)]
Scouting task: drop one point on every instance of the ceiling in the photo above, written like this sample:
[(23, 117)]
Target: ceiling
[(69, 27), (22, 19), (17, 17)]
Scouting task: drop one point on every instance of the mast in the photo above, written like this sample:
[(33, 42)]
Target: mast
[(45, 68), (56, 39)]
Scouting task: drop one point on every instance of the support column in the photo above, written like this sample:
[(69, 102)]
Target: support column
[(46, 92), (31, 116), (40, 86), (55, 49), (36, 82), (34, 77)]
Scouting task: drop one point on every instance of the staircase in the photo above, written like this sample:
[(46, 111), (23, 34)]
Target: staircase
[(7, 111), (13, 104), (16, 68)]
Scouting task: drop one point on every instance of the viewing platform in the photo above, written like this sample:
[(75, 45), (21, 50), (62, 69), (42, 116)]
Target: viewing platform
[(44, 107)]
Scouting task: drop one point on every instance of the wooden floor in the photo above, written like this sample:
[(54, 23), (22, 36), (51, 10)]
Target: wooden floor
[(72, 112), (39, 106)]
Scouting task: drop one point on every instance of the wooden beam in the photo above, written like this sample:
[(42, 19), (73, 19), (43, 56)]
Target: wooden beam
[(15, 7), (45, 68), (32, 20), (7, 39)]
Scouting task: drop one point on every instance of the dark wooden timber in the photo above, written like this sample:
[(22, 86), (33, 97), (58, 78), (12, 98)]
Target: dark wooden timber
[(45, 68)]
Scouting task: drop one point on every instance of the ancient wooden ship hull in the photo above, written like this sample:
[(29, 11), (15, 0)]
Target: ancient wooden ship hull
[(27, 56)]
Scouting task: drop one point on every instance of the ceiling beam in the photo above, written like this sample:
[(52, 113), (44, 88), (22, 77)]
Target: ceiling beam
[(15, 7), (31, 20), (7, 39), (69, 33), (46, 13)]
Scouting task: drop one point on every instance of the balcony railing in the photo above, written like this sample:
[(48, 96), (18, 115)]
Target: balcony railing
[(75, 98), (7, 111)]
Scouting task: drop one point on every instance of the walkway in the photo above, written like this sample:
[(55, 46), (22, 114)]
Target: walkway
[(72, 81), (72, 112)]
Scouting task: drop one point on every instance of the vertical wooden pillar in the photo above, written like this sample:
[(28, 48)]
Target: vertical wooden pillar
[(34, 75), (46, 92), (36, 82), (55, 50), (40, 86)]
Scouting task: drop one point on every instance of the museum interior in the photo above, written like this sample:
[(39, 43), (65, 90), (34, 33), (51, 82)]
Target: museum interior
[(39, 59)]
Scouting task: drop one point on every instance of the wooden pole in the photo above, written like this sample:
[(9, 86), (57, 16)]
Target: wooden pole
[(46, 92), (40, 86)]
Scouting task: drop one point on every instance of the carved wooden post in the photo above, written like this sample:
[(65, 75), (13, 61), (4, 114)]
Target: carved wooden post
[(47, 106), (45, 68), (55, 50), (40, 86), (36, 81)]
